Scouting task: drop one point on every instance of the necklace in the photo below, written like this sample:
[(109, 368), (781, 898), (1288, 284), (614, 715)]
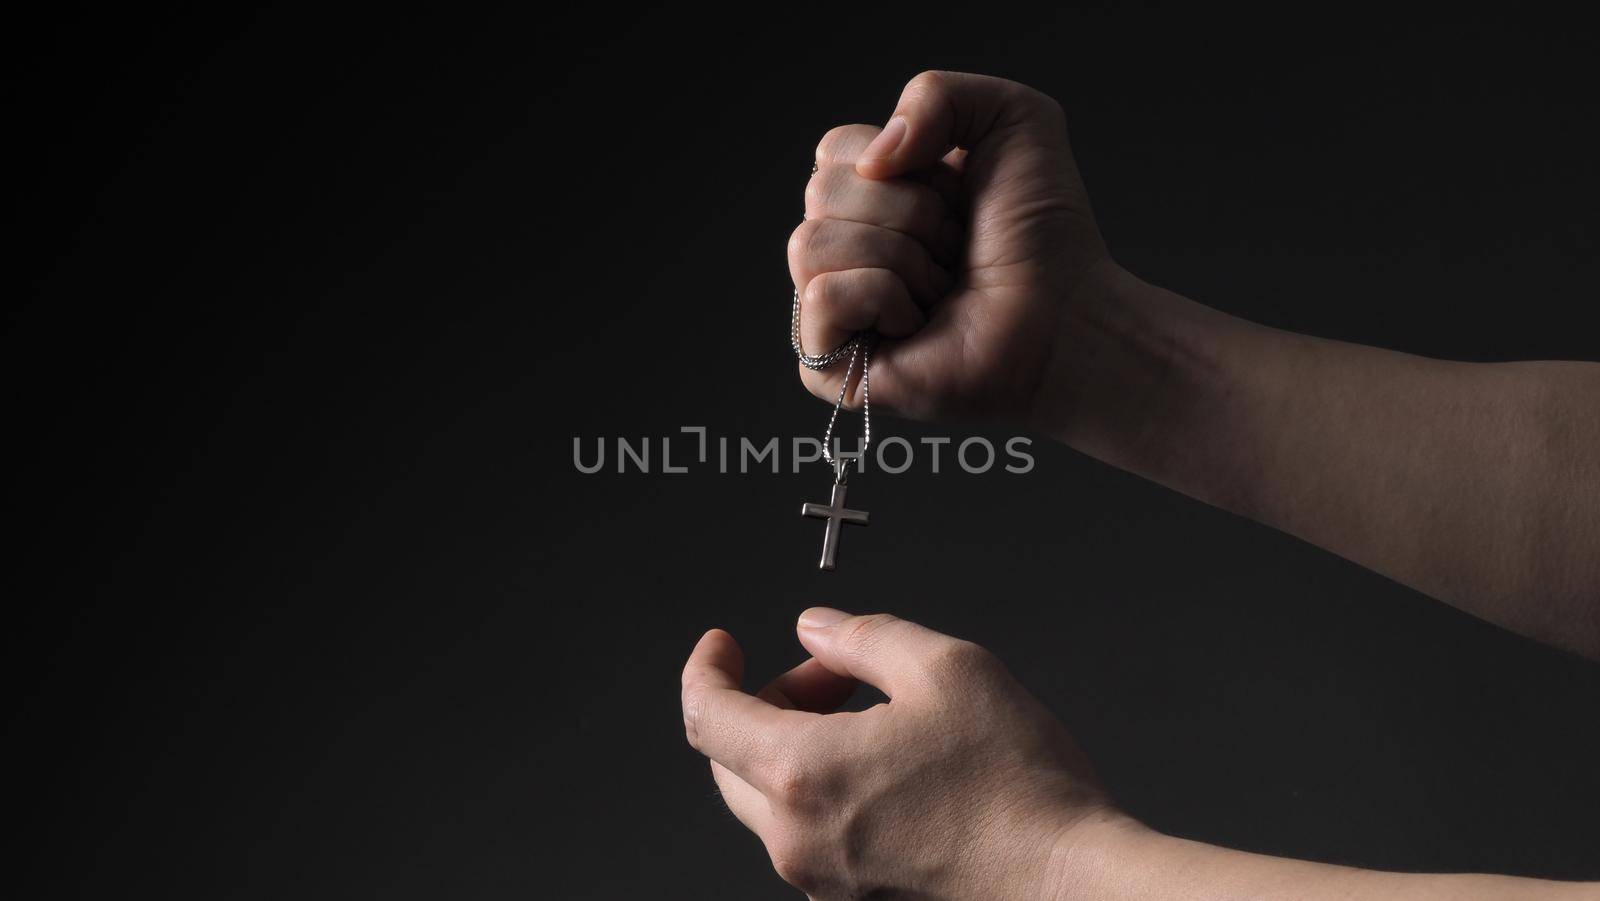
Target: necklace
[(858, 347)]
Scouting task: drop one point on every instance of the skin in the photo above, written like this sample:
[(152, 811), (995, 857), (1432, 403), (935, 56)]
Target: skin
[(961, 233), (963, 786)]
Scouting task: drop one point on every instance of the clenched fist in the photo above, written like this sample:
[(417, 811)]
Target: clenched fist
[(959, 232)]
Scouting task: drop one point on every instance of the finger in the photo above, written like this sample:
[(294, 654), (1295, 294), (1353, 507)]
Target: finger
[(941, 110), (743, 801), (882, 650), (902, 205), (896, 382), (844, 143), (811, 687), (836, 305), (833, 245), (909, 376), (828, 384), (733, 728)]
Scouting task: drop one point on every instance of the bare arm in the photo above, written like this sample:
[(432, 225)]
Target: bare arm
[(997, 298), (961, 233), (1128, 862), (1478, 484), (963, 786)]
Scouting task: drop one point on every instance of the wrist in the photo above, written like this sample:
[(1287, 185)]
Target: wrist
[(1131, 364), (1089, 854), (1016, 854)]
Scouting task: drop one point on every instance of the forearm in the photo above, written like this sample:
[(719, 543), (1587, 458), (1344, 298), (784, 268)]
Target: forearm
[(1477, 484), (1117, 859)]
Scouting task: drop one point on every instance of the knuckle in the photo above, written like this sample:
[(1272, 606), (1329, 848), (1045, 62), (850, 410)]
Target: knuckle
[(793, 863), (802, 239), (1032, 102), (834, 142), (830, 140), (1052, 106), (793, 784), (961, 661), (815, 195), (822, 190), (822, 295), (928, 84), (805, 782), (1043, 105), (865, 631)]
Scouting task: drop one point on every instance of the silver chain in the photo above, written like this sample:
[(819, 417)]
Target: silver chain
[(858, 347), (821, 361)]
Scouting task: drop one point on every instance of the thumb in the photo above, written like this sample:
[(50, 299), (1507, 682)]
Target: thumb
[(884, 651), (939, 111)]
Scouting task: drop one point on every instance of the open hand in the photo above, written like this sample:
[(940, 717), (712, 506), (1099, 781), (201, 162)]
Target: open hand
[(961, 786)]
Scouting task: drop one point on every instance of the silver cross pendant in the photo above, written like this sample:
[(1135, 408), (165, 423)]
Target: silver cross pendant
[(835, 513)]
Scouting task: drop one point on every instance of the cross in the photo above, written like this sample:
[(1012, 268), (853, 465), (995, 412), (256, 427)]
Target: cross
[(836, 514)]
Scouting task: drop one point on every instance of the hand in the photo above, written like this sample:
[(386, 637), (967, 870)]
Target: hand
[(961, 786), (959, 232)]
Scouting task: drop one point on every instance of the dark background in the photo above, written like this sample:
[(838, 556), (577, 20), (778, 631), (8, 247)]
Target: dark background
[(311, 601)]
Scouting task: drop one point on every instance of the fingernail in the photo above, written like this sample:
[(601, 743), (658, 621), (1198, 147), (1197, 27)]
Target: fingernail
[(821, 618), (884, 145)]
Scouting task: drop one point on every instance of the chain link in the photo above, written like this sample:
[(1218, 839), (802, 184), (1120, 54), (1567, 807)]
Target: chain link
[(820, 361), (858, 346)]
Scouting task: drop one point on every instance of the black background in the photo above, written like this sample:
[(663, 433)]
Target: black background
[(311, 600)]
